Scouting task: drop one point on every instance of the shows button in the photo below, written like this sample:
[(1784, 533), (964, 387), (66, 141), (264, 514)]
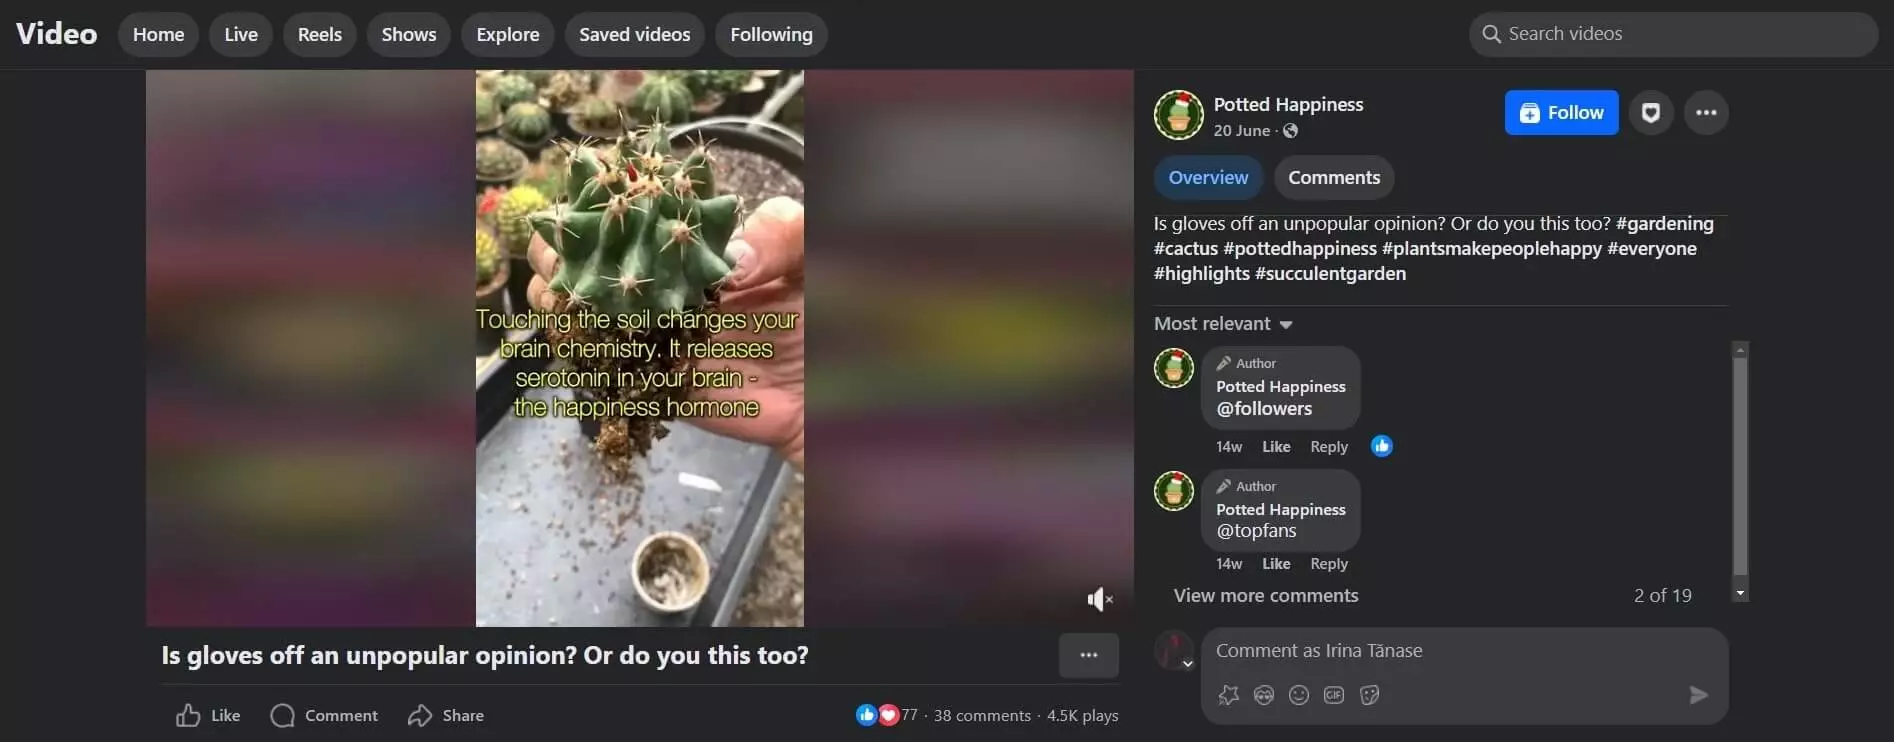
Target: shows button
[(1562, 113)]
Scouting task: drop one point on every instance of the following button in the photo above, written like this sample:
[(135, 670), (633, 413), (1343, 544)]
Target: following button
[(1209, 177), (1562, 113)]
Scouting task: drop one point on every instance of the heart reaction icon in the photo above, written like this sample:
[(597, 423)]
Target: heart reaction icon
[(890, 714)]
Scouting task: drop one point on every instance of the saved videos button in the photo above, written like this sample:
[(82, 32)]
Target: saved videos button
[(1209, 177), (1562, 113)]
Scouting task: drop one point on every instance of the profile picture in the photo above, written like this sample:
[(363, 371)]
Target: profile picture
[(1174, 491), (1179, 114), (1174, 368)]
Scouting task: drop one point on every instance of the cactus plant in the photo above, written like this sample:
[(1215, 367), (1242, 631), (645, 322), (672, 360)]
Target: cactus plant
[(706, 83), (537, 77), (527, 123), (663, 98), (566, 88), (486, 112), (495, 160), (597, 117), (510, 89), (487, 258), (638, 228), (510, 217)]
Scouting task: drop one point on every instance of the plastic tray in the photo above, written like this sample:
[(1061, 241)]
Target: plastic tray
[(554, 536)]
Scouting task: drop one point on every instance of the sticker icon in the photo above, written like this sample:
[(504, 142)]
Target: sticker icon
[(1174, 491), (1174, 368), (1179, 115)]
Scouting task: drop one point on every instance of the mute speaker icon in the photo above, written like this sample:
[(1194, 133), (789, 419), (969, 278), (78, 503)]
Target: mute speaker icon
[(1097, 599)]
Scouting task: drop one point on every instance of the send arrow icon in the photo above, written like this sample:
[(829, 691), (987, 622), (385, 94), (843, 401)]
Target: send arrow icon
[(1697, 694)]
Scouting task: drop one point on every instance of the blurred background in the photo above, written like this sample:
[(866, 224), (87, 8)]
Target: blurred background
[(310, 441), (309, 437), (969, 277)]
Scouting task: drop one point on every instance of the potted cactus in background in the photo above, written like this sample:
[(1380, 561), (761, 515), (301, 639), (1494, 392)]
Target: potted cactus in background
[(496, 163), (637, 228), (490, 275), (664, 98), (510, 217), (486, 112), (509, 89), (596, 118), (711, 88), (618, 86), (538, 78), (528, 127)]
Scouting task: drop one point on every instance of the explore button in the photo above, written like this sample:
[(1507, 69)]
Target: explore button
[(1209, 177), (1562, 113)]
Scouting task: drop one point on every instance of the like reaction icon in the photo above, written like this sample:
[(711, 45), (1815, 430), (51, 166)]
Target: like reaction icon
[(189, 718)]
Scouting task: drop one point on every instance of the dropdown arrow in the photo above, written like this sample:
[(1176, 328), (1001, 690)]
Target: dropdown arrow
[(1285, 323), (1742, 592), (1188, 663)]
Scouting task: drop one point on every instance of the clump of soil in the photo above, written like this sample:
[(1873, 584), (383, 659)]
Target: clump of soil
[(622, 441), (752, 176), (667, 574)]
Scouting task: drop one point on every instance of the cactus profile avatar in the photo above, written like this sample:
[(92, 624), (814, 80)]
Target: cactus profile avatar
[(1174, 491), (1179, 114), (1174, 368)]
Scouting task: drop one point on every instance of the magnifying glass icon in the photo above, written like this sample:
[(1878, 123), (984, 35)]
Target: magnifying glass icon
[(1490, 32)]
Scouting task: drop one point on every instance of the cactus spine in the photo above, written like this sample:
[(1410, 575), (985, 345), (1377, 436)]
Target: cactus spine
[(638, 228), (663, 98), (567, 88), (528, 123), (510, 89), (511, 215)]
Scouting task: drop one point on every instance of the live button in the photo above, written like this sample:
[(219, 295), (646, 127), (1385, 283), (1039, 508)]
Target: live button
[(241, 35)]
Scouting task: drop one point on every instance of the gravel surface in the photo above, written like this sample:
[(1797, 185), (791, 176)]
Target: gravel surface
[(774, 597), (754, 177)]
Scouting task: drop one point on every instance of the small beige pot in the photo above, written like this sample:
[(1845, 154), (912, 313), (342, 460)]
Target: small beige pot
[(683, 586)]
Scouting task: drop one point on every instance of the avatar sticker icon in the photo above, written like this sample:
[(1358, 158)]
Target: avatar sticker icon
[(1179, 115), (1174, 368), (1174, 491)]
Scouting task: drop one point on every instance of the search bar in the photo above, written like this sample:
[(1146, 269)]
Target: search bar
[(1670, 35)]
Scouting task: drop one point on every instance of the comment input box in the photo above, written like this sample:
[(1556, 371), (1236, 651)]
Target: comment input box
[(1465, 676)]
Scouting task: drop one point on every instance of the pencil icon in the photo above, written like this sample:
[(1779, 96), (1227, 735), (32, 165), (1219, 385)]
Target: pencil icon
[(1223, 363), (1223, 486)]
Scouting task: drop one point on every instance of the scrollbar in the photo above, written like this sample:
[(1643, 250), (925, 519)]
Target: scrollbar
[(1739, 473)]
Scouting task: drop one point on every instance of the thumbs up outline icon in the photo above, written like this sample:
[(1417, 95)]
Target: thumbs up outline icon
[(189, 718)]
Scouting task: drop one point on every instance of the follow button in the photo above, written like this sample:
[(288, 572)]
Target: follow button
[(1562, 113), (1209, 177)]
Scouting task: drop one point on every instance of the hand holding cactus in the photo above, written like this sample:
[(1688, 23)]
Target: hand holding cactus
[(766, 277)]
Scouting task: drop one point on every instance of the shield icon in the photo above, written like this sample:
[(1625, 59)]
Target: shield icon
[(1651, 112)]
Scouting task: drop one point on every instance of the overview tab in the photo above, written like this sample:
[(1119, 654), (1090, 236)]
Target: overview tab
[(162, 35), (772, 34), (409, 35), (319, 35), (508, 35), (635, 34)]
